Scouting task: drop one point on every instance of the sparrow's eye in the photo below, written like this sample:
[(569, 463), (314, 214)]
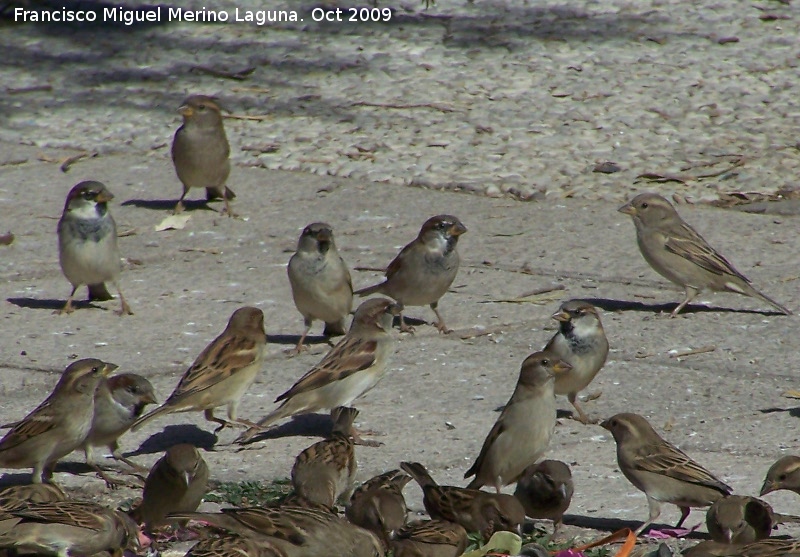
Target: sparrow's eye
[(545, 362), (782, 477), (644, 205), (95, 369), (201, 107)]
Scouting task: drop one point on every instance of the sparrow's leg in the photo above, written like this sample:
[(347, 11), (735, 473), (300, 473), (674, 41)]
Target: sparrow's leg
[(684, 514), (228, 209), (68, 306), (655, 511), (179, 205), (46, 473), (691, 294), (115, 452), (124, 308), (300, 346), (439, 320), (209, 415), (403, 327), (582, 417)]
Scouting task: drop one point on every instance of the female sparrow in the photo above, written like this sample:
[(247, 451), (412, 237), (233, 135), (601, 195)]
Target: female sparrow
[(737, 520), (545, 491), (430, 538), (177, 483), (522, 432), (326, 470), (200, 151), (87, 244), (582, 343), (661, 470), (320, 280), (350, 369), (379, 506), (13, 497), (59, 425), (475, 510), (221, 373), (234, 545), (118, 402), (423, 270), (784, 474), (678, 253)]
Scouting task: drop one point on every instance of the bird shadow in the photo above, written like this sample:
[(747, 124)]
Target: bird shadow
[(615, 524), (168, 204), (8, 480), (412, 321), (607, 304), (303, 425), (51, 304), (793, 412), (294, 339), (173, 435)]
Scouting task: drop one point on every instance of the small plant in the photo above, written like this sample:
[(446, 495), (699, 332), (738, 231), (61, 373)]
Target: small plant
[(249, 493)]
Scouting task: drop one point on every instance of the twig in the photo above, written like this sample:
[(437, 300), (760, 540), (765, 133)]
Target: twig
[(31, 89), (237, 75), (701, 350), (434, 106), (65, 166), (375, 269), (544, 290), (257, 117)]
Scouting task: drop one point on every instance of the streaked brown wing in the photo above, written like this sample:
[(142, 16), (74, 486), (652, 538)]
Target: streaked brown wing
[(346, 358), (687, 243), (669, 461), (36, 423)]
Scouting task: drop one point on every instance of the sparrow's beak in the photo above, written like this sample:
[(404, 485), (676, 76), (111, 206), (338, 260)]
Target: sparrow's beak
[(185, 110), (768, 487), (457, 229), (324, 236), (150, 398), (604, 424), (560, 366), (628, 209), (108, 369), (395, 309), (104, 196), (562, 316), (187, 478)]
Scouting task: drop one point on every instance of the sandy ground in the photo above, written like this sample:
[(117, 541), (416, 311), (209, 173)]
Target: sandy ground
[(723, 406)]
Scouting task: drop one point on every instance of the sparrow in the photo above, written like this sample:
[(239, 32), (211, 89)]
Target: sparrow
[(423, 270), (582, 343), (739, 520), (69, 528), (678, 253), (118, 402), (770, 547), (475, 510), (661, 470), (177, 483), (522, 433), (378, 505), (350, 369), (297, 531), (320, 280), (429, 538), (221, 373), (234, 545), (14, 497), (59, 425), (784, 474), (326, 470), (200, 151), (87, 244), (545, 491)]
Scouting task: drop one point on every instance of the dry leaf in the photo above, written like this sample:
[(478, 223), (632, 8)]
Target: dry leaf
[(173, 222)]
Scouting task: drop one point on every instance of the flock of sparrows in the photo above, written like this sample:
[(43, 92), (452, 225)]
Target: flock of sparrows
[(90, 407)]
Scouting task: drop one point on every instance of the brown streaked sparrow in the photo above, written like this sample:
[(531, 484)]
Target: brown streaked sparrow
[(429, 538), (738, 519), (545, 491), (378, 504)]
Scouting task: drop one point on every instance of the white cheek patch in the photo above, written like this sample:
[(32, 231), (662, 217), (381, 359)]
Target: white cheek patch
[(84, 211)]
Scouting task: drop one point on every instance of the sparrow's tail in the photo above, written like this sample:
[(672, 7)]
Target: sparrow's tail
[(283, 411), (218, 520), (343, 418), (163, 409), (419, 473), (99, 292), (217, 193), (335, 329), (374, 289), (750, 291), (475, 483)]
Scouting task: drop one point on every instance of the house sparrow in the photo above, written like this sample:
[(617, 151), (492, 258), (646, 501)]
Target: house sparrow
[(423, 270), (18, 496), (430, 538), (294, 499), (69, 528), (320, 280), (582, 343), (87, 244), (200, 151), (738, 520), (522, 433), (475, 510), (784, 474), (349, 370), (545, 491), (378, 504), (770, 547), (177, 483), (661, 470), (678, 253), (327, 469), (298, 532), (59, 425), (221, 373), (234, 545), (118, 402)]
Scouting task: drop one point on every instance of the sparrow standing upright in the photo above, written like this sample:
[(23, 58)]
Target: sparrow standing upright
[(176, 484), (661, 470), (326, 470), (545, 491), (200, 151), (222, 372), (59, 425), (87, 244), (350, 369), (582, 343), (678, 253), (784, 474), (379, 506), (423, 270), (320, 280), (522, 433), (118, 402)]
